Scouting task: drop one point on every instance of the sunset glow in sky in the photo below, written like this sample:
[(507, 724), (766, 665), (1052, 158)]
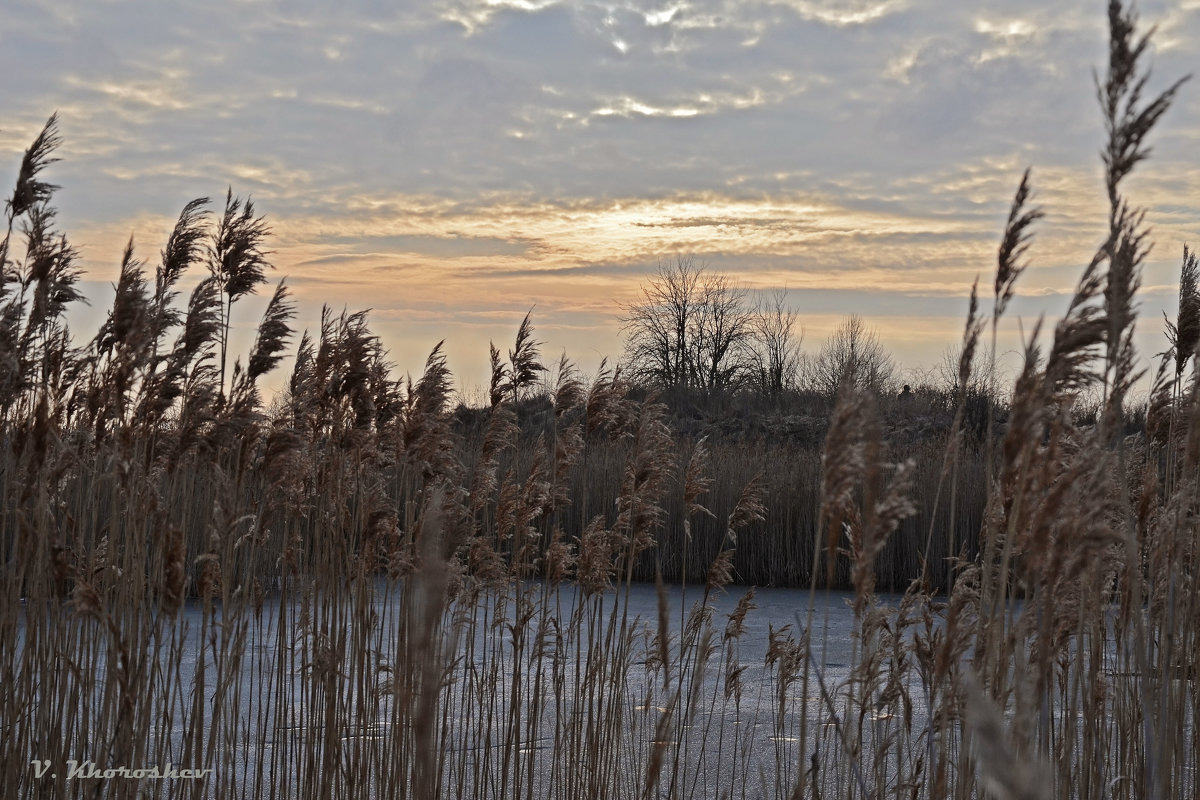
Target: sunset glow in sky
[(452, 164)]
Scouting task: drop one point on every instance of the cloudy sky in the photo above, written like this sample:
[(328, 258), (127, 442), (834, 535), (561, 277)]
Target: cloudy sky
[(452, 164)]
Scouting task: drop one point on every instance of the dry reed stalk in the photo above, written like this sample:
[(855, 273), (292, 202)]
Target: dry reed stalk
[(844, 465), (1009, 773), (1014, 245), (1184, 334)]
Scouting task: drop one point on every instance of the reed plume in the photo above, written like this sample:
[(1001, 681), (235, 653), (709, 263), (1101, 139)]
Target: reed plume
[(524, 362), (1014, 245), (30, 191), (236, 259), (1184, 334), (184, 247)]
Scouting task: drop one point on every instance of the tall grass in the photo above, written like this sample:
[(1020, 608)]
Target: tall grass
[(360, 593), (741, 437)]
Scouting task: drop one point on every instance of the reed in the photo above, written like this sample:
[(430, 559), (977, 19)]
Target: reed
[(360, 591)]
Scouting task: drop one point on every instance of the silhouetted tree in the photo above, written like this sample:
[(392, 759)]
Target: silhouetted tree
[(658, 327), (691, 328), (852, 353), (775, 353), (721, 340)]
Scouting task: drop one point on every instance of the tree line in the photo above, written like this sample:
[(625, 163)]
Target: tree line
[(693, 328)]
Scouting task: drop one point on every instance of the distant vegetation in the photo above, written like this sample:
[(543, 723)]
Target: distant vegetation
[(141, 472), (694, 329)]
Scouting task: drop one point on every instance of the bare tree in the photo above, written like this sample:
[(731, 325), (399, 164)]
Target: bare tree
[(659, 326), (722, 334), (945, 374), (775, 344), (691, 328), (852, 353)]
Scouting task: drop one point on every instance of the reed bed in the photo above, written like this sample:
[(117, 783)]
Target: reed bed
[(355, 593)]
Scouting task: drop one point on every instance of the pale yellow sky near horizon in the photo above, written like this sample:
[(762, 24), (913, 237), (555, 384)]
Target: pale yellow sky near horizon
[(419, 298)]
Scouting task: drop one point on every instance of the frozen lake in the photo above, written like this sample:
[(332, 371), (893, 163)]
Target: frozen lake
[(536, 691), (326, 694)]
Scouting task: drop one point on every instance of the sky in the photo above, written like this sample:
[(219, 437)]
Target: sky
[(453, 164)]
